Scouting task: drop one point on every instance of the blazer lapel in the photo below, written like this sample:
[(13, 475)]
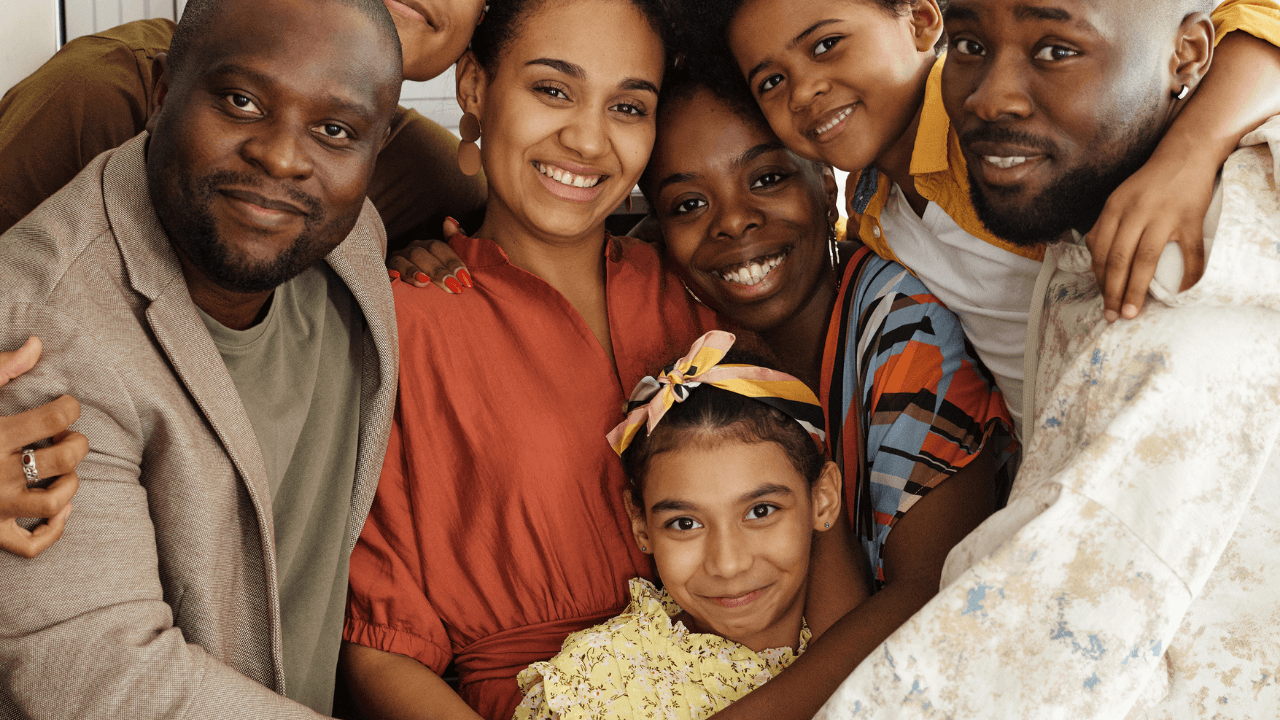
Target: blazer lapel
[(154, 271), (196, 360), (359, 262)]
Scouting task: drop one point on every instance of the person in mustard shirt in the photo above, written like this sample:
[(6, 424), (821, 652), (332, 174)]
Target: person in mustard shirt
[(859, 85)]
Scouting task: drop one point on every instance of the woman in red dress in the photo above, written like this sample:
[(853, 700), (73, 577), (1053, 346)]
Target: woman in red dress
[(497, 529)]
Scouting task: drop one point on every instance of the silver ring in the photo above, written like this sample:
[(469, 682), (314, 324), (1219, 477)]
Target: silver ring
[(29, 466)]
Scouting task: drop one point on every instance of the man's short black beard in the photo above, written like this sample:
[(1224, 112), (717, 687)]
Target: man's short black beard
[(1073, 200), (190, 225)]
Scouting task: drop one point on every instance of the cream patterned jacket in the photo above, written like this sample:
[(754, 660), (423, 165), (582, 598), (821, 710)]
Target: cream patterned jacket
[(1135, 572)]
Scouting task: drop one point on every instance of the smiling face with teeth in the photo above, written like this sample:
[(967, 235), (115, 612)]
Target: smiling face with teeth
[(839, 80), (567, 125), (745, 220), (1056, 102)]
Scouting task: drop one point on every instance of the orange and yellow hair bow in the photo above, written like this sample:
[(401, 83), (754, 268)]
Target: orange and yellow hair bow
[(653, 397)]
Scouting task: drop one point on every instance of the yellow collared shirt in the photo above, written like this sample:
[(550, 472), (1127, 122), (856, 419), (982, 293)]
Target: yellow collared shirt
[(985, 280)]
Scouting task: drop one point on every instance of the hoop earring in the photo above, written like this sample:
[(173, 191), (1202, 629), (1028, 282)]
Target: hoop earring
[(468, 151), (833, 252), (1182, 94)]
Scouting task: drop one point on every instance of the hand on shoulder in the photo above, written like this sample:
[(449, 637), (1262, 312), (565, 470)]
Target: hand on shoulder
[(20, 494), (431, 261)]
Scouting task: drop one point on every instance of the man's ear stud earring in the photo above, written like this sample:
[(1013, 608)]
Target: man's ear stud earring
[(827, 524), (1182, 94)]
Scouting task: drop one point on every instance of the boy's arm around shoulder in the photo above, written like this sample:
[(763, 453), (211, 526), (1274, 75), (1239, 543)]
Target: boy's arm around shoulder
[(1168, 197), (1242, 232)]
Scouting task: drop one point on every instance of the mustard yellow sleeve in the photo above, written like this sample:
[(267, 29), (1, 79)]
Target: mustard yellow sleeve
[(1259, 18)]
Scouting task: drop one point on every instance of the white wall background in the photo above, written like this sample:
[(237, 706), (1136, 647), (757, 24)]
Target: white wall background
[(28, 36), (436, 99), (89, 16)]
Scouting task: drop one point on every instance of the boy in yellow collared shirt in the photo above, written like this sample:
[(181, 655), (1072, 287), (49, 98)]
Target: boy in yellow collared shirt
[(857, 83)]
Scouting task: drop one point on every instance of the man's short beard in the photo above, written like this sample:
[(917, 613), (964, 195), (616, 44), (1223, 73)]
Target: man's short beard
[(184, 212), (1073, 200)]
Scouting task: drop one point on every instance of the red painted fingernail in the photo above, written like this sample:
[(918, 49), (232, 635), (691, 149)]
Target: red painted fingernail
[(393, 274), (421, 277), (453, 285), (457, 225), (465, 277)]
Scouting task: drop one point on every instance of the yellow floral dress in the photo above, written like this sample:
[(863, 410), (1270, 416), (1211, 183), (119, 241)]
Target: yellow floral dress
[(643, 664)]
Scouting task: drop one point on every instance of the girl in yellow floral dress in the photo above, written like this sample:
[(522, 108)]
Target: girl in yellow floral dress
[(727, 493)]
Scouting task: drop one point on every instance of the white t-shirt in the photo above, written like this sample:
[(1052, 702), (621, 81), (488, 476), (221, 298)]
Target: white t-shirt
[(987, 287)]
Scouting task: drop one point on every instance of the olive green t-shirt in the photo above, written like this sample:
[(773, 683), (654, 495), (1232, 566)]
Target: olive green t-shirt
[(298, 376)]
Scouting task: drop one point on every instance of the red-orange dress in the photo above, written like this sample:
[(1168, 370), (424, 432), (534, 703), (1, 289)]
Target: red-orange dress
[(498, 527)]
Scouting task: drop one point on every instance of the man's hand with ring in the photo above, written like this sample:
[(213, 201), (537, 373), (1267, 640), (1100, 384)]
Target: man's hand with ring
[(19, 462)]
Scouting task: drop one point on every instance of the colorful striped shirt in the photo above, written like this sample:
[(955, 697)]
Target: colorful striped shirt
[(908, 403)]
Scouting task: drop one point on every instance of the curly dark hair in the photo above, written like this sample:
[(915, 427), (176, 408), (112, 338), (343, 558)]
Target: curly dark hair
[(503, 19), (700, 68), (710, 414)]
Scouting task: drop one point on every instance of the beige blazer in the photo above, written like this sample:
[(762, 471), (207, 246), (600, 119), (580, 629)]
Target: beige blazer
[(161, 598)]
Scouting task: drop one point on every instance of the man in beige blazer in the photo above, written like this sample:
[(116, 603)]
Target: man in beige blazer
[(214, 295)]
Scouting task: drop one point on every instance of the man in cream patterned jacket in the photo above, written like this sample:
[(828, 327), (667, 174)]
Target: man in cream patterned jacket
[(1133, 573)]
